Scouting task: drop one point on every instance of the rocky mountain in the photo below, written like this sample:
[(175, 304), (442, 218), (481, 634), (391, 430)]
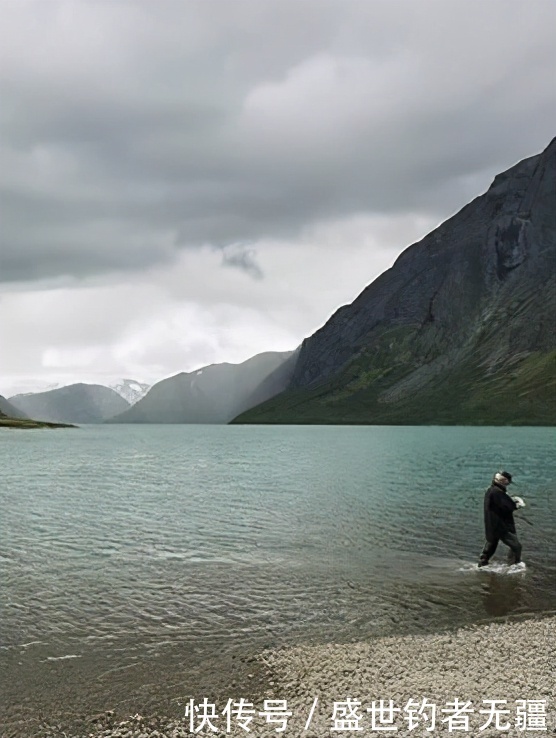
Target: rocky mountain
[(130, 389), (9, 410), (76, 403), (460, 330), (213, 394)]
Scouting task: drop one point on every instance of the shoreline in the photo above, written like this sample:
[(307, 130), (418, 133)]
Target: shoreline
[(510, 659), (29, 424)]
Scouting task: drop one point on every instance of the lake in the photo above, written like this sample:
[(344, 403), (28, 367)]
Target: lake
[(127, 546)]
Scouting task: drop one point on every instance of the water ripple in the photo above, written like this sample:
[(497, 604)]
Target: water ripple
[(136, 535)]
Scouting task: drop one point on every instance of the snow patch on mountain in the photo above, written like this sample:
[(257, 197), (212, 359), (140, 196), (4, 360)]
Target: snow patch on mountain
[(130, 389)]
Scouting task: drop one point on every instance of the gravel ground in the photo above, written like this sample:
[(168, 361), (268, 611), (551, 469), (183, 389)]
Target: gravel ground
[(509, 661)]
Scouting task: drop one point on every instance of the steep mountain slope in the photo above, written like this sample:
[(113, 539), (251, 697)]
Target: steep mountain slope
[(9, 410), (214, 394), (461, 329), (77, 403)]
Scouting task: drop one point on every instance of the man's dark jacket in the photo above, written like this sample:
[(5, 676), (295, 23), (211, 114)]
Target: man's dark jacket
[(499, 512)]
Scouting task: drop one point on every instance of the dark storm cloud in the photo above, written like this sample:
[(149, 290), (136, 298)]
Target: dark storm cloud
[(132, 130)]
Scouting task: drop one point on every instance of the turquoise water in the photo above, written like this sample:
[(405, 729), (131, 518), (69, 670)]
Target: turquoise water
[(139, 538)]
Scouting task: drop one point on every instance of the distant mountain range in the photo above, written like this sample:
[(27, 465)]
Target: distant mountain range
[(76, 403), (213, 394), (130, 389), (461, 329)]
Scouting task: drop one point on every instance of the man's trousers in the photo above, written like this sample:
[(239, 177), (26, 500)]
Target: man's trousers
[(511, 540)]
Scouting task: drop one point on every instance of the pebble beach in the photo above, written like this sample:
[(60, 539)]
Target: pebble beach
[(502, 674)]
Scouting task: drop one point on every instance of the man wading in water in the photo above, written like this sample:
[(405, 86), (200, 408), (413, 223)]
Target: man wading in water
[(499, 519)]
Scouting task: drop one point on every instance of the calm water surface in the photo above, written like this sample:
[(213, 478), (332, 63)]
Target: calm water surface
[(141, 538)]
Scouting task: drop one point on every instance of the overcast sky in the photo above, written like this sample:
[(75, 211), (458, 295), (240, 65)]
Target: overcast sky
[(185, 182)]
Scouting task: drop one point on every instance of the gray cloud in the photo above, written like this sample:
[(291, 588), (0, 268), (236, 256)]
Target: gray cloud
[(242, 257), (185, 182), (131, 130)]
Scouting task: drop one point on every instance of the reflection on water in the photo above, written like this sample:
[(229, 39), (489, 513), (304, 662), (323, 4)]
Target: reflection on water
[(503, 594)]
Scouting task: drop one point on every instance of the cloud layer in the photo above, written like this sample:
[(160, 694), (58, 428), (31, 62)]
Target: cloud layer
[(136, 137)]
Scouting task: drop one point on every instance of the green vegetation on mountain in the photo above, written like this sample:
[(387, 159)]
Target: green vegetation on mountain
[(523, 393)]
